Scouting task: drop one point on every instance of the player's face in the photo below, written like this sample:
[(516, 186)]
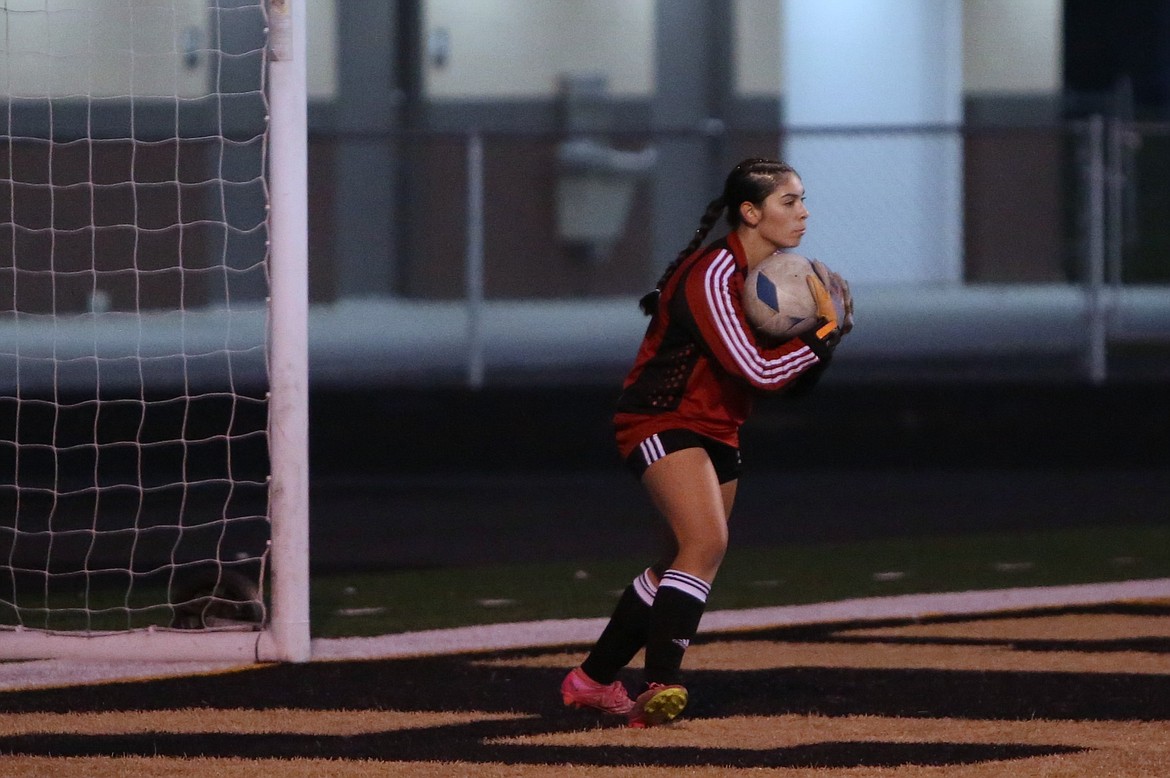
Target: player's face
[(783, 218)]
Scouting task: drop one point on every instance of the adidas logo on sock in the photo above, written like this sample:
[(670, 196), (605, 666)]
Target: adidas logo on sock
[(682, 643)]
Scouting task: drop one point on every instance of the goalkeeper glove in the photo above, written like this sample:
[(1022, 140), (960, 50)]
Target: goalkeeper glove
[(839, 293), (829, 329)]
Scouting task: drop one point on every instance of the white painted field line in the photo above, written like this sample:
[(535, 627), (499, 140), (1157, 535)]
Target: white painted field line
[(50, 673), (567, 631), (551, 632), (62, 672), (910, 606)]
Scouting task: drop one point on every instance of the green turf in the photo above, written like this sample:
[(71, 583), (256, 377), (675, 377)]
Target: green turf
[(382, 603)]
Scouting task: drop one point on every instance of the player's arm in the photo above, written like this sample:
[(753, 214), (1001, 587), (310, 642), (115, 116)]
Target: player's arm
[(711, 296)]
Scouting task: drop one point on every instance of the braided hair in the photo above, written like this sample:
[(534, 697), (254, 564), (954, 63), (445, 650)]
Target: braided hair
[(751, 181)]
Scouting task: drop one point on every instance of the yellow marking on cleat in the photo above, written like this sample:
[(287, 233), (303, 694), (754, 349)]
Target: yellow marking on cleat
[(663, 707)]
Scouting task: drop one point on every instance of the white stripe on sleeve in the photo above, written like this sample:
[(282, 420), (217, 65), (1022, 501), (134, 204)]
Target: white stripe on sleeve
[(754, 365)]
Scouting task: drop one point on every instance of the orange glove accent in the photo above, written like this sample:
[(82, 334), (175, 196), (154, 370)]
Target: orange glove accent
[(838, 289), (826, 311)]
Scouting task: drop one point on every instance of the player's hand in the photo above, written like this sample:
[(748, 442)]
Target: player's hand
[(828, 330), (838, 289)]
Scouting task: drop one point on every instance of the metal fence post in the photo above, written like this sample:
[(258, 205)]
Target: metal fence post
[(1115, 134), (474, 261), (1095, 309)]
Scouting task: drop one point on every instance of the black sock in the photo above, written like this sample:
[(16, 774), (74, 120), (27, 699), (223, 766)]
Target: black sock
[(624, 635), (674, 620)]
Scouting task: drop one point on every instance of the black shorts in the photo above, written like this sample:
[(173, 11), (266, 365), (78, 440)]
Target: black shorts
[(725, 458)]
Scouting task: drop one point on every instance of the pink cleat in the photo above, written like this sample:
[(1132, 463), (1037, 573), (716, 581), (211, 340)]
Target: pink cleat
[(658, 705), (580, 691)]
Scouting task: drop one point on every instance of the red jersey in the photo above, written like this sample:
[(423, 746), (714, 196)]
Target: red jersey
[(700, 364)]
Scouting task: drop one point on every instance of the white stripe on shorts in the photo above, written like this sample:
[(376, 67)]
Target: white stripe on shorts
[(652, 450)]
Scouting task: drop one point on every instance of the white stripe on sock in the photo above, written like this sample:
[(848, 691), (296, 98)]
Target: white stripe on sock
[(685, 582), (645, 588)]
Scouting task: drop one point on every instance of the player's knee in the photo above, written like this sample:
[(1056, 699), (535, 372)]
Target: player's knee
[(708, 550)]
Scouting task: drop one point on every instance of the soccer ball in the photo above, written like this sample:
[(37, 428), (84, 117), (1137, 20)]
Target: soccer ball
[(776, 297)]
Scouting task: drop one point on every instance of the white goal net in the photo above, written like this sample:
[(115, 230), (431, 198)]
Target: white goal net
[(135, 271)]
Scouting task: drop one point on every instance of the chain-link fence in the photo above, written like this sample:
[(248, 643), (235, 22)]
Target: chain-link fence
[(1039, 247), (571, 218)]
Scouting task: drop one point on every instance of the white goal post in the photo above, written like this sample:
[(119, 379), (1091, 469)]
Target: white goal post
[(153, 330)]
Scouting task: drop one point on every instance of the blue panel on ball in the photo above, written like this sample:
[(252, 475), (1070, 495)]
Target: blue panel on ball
[(766, 292)]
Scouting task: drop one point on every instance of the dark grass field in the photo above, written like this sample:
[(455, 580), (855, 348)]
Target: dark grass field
[(406, 478), (377, 602)]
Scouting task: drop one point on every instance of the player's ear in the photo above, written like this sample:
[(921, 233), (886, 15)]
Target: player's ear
[(749, 214)]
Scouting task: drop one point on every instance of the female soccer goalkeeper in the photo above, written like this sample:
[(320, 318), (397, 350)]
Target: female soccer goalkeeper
[(678, 419)]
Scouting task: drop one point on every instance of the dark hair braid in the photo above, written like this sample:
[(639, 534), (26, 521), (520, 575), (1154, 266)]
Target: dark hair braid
[(751, 181), (714, 210)]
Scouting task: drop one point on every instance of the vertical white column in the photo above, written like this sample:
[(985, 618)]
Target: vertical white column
[(886, 204), (288, 426)]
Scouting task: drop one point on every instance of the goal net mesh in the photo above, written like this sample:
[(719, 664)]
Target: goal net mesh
[(133, 318)]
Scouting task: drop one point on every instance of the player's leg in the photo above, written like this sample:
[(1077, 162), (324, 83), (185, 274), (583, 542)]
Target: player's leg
[(594, 683), (728, 489), (625, 633), (686, 490)]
